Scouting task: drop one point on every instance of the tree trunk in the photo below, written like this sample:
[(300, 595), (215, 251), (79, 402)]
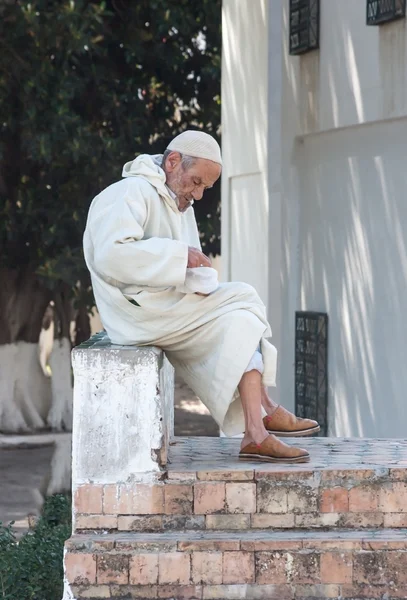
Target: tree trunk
[(82, 325), (60, 415), (25, 392)]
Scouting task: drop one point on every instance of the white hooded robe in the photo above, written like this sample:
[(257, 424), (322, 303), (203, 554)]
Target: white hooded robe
[(136, 248)]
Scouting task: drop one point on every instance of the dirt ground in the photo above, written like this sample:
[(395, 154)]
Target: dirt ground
[(23, 469), (191, 416)]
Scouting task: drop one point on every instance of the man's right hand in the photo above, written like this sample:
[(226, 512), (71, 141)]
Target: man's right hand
[(196, 258)]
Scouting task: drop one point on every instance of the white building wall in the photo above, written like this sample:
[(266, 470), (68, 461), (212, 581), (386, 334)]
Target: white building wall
[(337, 186), (244, 143), (344, 214)]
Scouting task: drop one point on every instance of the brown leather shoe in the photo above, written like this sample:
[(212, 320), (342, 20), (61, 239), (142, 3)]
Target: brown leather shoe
[(284, 424), (273, 450)]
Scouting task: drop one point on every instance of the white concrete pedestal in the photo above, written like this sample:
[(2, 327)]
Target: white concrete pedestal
[(123, 411)]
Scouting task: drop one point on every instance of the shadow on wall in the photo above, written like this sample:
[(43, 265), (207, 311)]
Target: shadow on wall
[(243, 91), (353, 218), (353, 248), (344, 212)]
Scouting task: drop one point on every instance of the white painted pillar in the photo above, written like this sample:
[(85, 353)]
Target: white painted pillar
[(275, 292), (123, 411)]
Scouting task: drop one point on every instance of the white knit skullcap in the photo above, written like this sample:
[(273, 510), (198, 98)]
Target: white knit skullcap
[(197, 144)]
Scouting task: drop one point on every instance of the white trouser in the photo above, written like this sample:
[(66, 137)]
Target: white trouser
[(256, 363)]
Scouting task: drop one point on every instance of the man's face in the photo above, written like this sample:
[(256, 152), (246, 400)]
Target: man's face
[(190, 184)]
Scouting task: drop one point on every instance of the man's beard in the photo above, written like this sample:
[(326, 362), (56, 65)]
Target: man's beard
[(183, 203)]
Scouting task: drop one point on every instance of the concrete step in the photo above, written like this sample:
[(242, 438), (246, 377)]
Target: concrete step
[(349, 483), (346, 564)]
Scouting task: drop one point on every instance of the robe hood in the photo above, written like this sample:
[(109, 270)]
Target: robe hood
[(148, 166)]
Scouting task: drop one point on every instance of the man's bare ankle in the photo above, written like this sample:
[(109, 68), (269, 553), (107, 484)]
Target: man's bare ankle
[(270, 410), (256, 437)]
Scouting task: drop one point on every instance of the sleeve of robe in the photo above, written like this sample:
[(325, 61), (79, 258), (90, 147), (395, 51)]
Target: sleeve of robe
[(121, 253)]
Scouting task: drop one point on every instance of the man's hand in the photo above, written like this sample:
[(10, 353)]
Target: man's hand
[(196, 258)]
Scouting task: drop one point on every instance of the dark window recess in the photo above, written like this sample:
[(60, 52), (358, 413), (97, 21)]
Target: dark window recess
[(304, 26), (383, 11), (311, 367)]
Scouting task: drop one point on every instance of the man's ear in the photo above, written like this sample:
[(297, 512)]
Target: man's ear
[(173, 160)]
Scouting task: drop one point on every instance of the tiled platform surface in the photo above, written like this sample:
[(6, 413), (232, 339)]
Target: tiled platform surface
[(347, 484), (216, 454)]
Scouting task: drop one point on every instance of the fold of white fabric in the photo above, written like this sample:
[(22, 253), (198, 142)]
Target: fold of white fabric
[(199, 279)]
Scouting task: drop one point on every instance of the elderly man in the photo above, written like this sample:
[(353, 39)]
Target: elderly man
[(153, 285)]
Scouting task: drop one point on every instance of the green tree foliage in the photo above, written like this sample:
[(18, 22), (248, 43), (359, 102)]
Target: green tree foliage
[(31, 568), (85, 86)]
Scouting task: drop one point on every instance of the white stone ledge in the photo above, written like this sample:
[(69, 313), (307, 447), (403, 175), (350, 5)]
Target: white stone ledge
[(123, 411)]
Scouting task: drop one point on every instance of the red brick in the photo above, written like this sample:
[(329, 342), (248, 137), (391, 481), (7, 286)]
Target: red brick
[(384, 544), (305, 568), (294, 474), (317, 590), (174, 568), (302, 500), (112, 568), (380, 568), (271, 545), (395, 520), (227, 522), (95, 522), (267, 521), (252, 591), (209, 498), (362, 499), (80, 568), (370, 519), (334, 500), (394, 498), (143, 545), (369, 592), (271, 499), (144, 569), (241, 497), (141, 499), (348, 474), (101, 543), (183, 522), (111, 495), (76, 544), (336, 567), (226, 475), (180, 592), (140, 523), (209, 546), (398, 474), (134, 591), (311, 520), (184, 476), (88, 499), (333, 544), (361, 591), (178, 499), (207, 568), (238, 567), (94, 591), (271, 568)]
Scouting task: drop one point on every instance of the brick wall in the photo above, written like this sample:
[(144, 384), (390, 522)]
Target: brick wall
[(306, 567), (239, 500)]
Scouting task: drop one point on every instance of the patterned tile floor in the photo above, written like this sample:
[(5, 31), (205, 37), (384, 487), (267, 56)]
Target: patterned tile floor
[(221, 454)]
